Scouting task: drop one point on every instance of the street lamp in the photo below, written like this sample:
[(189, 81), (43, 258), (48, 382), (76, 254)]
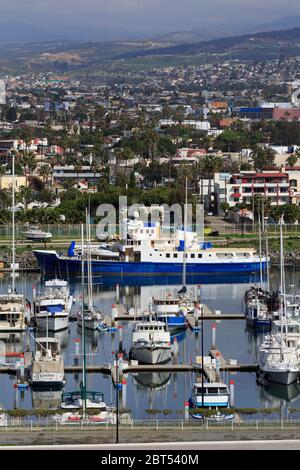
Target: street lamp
[(117, 355), (202, 354)]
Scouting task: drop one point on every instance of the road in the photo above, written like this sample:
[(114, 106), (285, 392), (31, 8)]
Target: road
[(173, 446)]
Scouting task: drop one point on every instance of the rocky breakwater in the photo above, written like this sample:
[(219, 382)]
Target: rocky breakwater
[(26, 261), (291, 257)]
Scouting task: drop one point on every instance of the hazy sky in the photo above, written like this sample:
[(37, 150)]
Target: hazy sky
[(143, 15)]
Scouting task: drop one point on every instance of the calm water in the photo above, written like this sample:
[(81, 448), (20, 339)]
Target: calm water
[(157, 391)]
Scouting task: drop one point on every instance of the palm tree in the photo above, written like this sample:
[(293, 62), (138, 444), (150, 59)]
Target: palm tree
[(2, 173), (95, 168), (44, 173), (78, 168)]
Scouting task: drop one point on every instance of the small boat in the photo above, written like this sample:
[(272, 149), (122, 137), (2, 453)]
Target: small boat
[(151, 343), (92, 319), (74, 401), (215, 395), (14, 313), (37, 235), (257, 314), (3, 417), (52, 309), (172, 311), (73, 418), (278, 362), (47, 368)]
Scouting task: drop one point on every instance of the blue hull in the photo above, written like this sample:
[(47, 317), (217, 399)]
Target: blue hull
[(51, 264), (257, 324), (174, 323)]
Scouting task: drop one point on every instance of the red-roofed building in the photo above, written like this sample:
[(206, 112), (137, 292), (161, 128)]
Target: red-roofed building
[(272, 184)]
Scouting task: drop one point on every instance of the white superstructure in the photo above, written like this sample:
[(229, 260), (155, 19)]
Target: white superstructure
[(151, 343), (48, 364), (52, 309)]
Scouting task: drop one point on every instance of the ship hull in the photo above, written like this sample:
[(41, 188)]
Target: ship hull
[(55, 322), (52, 264), (258, 324), (150, 355)]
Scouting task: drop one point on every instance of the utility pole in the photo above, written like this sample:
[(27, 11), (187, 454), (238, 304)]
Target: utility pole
[(117, 397)]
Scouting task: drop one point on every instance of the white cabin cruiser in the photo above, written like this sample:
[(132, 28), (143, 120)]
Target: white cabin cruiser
[(52, 309), (48, 364), (215, 395), (151, 343), (37, 235), (14, 312)]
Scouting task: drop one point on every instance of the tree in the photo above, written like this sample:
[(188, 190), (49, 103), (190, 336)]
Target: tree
[(292, 159), (2, 173), (257, 201), (78, 168), (24, 195), (225, 207), (44, 173), (263, 158)]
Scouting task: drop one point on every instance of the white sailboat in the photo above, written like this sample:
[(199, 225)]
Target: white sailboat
[(279, 354), (14, 309), (92, 317)]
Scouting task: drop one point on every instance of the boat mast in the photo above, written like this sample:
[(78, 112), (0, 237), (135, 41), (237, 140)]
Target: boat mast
[(267, 256), (282, 283), (260, 259), (13, 223), (83, 326), (185, 224), (90, 292)]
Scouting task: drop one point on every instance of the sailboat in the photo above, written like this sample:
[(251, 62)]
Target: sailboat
[(93, 317), (279, 355), (259, 301), (173, 310), (14, 308), (83, 399)]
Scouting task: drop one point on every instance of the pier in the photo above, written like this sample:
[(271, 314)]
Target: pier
[(119, 314)]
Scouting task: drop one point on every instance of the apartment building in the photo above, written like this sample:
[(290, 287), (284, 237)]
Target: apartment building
[(273, 184)]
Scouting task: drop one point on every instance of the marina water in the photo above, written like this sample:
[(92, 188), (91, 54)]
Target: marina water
[(163, 393)]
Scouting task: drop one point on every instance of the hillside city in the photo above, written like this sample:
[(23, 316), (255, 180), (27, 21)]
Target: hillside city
[(232, 129)]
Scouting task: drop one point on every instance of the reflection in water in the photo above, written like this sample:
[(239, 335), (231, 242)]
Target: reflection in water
[(46, 399), (159, 390), (153, 381), (254, 341), (276, 393)]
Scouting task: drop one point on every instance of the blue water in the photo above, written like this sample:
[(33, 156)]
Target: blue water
[(157, 391)]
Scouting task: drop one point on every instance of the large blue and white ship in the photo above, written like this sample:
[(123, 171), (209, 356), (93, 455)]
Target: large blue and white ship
[(147, 252)]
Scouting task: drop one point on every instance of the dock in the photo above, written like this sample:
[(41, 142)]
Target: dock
[(121, 314)]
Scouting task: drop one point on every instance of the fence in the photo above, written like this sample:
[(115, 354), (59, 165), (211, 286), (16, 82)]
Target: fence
[(73, 231), (158, 424)]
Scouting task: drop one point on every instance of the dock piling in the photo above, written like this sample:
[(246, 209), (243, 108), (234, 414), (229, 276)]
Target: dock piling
[(213, 336), (231, 390)]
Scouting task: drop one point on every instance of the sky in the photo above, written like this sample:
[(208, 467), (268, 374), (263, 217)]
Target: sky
[(77, 17)]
